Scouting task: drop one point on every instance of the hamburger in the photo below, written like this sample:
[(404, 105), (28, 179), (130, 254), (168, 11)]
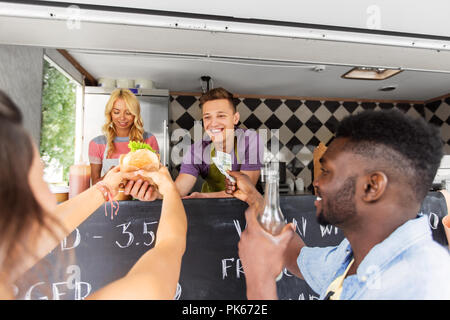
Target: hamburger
[(141, 157)]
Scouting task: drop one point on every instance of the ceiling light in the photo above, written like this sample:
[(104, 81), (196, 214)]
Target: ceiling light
[(368, 73), (205, 83)]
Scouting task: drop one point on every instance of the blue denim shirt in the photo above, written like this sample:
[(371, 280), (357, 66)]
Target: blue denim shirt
[(408, 264)]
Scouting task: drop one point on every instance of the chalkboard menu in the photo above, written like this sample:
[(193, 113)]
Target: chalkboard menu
[(102, 249)]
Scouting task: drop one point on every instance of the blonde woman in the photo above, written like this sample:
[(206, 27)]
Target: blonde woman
[(123, 123)]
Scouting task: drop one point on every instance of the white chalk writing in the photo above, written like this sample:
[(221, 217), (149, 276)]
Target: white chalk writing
[(76, 242)]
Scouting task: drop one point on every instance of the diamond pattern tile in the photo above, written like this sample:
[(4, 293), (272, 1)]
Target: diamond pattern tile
[(274, 145), (313, 124), (293, 105), (313, 105), (283, 113), (403, 107), (273, 104), (368, 105), (304, 134), (293, 123), (436, 121), (305, 156), (413, 113), (185, 121), (433, 105), (322, 114), (295, 145), (358, 110), (445, 131), (303, 113), (273, 122), (244, 111), (285, 134), (176, 110), (286, 155), (295, 166), (386, 106), (313, 143), (186, 101), (332, 106), (236, 101), (252, 122), (443, 112), (332, 124), (324, 134), (263, 112), (341, 113), (252, 103), (420, 108), (350, 106)]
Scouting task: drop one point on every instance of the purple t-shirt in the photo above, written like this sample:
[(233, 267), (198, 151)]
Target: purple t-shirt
[(250, 150)]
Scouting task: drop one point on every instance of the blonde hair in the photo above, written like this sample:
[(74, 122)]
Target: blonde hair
[(133, 106)]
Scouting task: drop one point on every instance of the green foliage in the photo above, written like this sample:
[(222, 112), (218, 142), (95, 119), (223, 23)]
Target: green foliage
[(58, 119), (136, 145)]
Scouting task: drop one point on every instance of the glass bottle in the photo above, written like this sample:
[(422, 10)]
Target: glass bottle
[(272, 219)]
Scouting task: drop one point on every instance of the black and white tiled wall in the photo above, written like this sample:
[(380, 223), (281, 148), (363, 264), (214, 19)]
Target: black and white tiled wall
[(302, 124), (438, 113)]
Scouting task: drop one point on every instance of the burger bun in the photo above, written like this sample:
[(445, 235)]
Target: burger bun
[(142, 159)]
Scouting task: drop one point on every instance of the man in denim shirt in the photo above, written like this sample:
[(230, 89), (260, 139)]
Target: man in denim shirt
[(375, 175)]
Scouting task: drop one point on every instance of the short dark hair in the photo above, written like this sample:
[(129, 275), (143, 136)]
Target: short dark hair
[(412, 147), (216, 94)]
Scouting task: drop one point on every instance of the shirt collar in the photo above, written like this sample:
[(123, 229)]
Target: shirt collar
[(398, 241)]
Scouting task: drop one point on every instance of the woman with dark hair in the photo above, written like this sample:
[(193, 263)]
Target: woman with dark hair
[(31, 224), (8, 109)]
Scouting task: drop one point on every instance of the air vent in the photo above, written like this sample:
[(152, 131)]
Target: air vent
[(388, 88)]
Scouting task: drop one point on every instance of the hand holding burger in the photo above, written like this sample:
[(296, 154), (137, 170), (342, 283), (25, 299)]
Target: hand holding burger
[(136, 167), (140, 157)]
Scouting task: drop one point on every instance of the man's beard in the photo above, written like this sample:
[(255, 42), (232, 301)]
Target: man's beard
[(340, 205)]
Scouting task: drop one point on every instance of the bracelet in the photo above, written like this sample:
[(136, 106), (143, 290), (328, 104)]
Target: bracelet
[(103, 188)]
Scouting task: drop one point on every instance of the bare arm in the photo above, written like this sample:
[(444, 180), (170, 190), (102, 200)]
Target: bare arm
[(185, 182), (292, 252), (253, 175), (155, 275), (70, 214)]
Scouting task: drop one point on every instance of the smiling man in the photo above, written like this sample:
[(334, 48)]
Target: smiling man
[(243, 148), (375, 175)]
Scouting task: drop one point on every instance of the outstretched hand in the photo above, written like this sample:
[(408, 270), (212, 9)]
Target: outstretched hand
[(243, 188), (160, 180), (113, 179)]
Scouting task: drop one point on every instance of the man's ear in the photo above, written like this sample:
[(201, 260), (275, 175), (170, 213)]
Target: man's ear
[(375, 185), (236, 118)]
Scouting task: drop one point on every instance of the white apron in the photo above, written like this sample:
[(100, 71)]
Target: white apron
[(107, 164)]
